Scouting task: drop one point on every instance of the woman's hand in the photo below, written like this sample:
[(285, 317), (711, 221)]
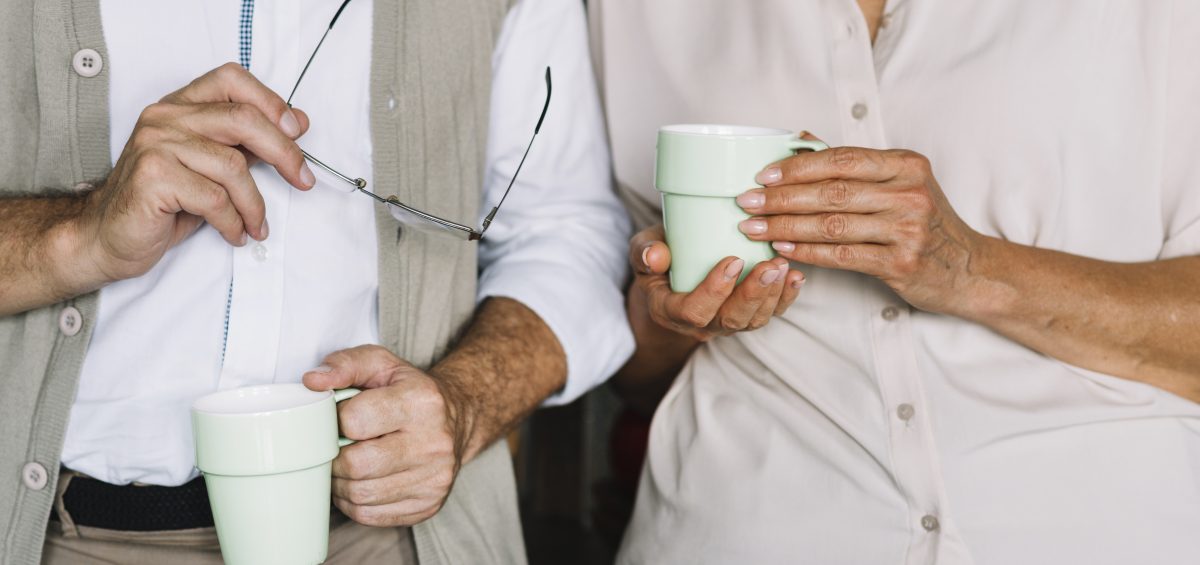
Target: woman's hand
[(880, 213), (719, 305)]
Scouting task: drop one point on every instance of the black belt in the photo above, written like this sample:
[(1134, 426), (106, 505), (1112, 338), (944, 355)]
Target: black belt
[(133, 508)]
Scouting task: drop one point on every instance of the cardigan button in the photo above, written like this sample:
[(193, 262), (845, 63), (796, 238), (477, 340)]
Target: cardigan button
[(87, 63), (70, 321), (34, 475)]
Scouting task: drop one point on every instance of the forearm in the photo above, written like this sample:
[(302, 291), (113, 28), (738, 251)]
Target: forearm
[(1139, 321), (508, 362), (658, 358), (40, 252)]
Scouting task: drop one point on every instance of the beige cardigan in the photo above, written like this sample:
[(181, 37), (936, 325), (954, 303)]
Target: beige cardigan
[(430, 81)]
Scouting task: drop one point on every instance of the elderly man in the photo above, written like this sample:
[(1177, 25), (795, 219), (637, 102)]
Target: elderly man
[(154, 249), (995, 356)]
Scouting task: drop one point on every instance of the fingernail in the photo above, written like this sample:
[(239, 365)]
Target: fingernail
[(752, 199), (289, 124), (306, 175), (266, 229), (798, 282), (769, 176), (784, 246), (322, 369), (242, 241), (769, 276), (752, 227), (734, 269), (646, 257)]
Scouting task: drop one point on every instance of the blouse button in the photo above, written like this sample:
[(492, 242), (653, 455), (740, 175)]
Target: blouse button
[(859, 111)]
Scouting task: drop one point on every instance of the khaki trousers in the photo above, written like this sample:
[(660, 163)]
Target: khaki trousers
[(69, 544)]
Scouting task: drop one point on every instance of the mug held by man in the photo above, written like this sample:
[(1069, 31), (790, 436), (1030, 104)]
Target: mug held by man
[(266, 453), (700, 169)]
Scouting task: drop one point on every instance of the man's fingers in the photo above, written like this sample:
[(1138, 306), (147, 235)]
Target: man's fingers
[(369, 366), (424, 481), (834, 227), (866, 258), (232, 83), (197, 195), (227, 167), (243, 124), (760, 288), (374, 457), (403, 513)]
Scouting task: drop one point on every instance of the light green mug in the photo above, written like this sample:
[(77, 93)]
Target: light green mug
[(700, 169), (266, 453)]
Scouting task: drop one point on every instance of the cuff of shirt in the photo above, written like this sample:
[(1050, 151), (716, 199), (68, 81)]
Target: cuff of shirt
[(586, 311)]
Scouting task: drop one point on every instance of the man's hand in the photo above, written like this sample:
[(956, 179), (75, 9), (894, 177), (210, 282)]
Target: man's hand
[(881, 213), (719, 305), (410, 437), (187, 161)]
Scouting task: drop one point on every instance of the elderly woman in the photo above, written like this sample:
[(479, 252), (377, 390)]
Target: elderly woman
[(995, 356)]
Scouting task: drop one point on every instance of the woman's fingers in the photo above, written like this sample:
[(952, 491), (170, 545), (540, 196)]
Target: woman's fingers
[(696, 309), (791, 290), (648, 252), (758, 291)]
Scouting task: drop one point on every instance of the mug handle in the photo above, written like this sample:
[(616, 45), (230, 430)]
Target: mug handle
[(811, 145), (338, 396)]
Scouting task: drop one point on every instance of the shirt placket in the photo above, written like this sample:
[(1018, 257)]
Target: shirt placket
[(256, 292), (913, 453)]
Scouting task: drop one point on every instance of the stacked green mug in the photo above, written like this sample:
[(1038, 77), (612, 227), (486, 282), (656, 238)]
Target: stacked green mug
[(266, 453), (700, 169)]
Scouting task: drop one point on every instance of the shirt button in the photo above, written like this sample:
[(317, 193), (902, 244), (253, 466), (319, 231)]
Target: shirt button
[(70, 321), (87, 63), (890, 313), (259, 252), (859, 111), (930, 522), (34, 475), (905, 412)]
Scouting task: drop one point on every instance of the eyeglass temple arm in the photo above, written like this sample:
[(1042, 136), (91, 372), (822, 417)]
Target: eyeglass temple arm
[(317, 48), (487, 220)]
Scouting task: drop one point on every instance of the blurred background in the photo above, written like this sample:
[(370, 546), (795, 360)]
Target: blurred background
[(577, 468)]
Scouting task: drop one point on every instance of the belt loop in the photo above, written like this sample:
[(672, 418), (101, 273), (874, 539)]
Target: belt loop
[(68, 523)]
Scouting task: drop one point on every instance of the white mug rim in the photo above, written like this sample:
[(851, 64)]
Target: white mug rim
[(214, 404), (723, 130)]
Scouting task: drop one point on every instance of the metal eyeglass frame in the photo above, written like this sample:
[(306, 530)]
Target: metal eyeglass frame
[(413, 217)]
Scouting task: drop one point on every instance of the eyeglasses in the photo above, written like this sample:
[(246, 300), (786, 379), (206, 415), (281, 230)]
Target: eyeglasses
[(406, 214)]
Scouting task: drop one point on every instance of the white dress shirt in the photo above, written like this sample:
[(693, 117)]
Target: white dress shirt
[(857, 430), (211, 317)]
